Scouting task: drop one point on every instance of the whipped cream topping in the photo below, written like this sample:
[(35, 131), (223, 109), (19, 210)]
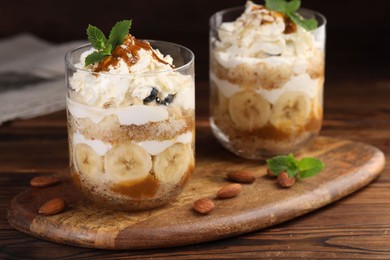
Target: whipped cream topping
[(156, 147), (131, 76), (259, 34), (151, 146)]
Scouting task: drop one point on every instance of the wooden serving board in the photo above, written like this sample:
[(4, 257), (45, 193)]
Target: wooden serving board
[(349, 167)]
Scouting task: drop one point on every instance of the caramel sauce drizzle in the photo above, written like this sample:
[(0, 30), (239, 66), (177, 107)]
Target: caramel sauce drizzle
[(291, 27), (130, 46)]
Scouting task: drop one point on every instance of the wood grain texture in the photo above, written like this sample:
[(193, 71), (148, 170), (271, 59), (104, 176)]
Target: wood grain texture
[(349, 167), (355, 227)]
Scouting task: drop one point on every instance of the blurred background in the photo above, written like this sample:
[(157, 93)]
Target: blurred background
[(358, 32)]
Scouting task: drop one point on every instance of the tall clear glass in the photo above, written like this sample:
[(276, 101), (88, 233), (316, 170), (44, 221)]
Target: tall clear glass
[(130, 150), (265, 103)]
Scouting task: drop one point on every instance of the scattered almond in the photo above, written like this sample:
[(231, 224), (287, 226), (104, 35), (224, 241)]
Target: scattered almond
[(204, 205), (52, 207), (241, 176), (270, 173), (44, 181), (284, 180), (229, 191)]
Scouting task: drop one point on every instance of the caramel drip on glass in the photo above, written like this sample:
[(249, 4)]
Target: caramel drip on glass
[(291, 27)]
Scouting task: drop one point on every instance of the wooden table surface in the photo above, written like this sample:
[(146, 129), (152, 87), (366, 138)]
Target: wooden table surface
[(357, 226)]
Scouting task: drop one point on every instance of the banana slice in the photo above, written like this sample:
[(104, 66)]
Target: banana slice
[(291, 111), (223, 103), (126, 162), (88, 163), (171, 165), (249, 110)]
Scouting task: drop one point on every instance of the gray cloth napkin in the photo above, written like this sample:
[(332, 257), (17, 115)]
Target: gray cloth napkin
[(32, 77)]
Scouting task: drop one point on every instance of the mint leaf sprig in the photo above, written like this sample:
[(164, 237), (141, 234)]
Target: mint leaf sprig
[(304, 168), (103, 45), (290, 8)]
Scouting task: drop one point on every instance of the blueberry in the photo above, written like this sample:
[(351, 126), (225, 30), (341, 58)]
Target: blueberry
[(152, 96), (166, 101), (169, 99)]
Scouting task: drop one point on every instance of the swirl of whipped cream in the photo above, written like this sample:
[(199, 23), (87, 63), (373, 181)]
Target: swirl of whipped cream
[(260, 33), (129, 79)]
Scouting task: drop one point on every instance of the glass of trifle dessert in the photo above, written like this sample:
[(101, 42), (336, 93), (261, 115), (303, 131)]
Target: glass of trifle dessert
[(266, 77), (130, 110)]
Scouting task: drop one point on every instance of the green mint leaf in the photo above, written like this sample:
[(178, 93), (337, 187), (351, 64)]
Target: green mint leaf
[(276, 5), (107, 50), (304, 168), (293, 6), (119, 32), (100, 42), (310, 24), (94, 57), (290, 8), (309, 167), (96, 37), (282, 163), (307, 24), (292, 172)]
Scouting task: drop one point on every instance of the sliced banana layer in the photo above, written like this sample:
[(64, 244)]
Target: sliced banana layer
[(170, 165), (223, 103), (291, 111), (88, 163), (127, 161), (249, 110)]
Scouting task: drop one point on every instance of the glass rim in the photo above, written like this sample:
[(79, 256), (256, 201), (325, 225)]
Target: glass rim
[(236, 8), (186, 65)]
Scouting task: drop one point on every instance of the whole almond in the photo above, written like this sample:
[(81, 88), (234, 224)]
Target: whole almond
[(52, 207), (284, 180), (241, 176), (204, 205), (229, 191), (270, 173), (44, 181)]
